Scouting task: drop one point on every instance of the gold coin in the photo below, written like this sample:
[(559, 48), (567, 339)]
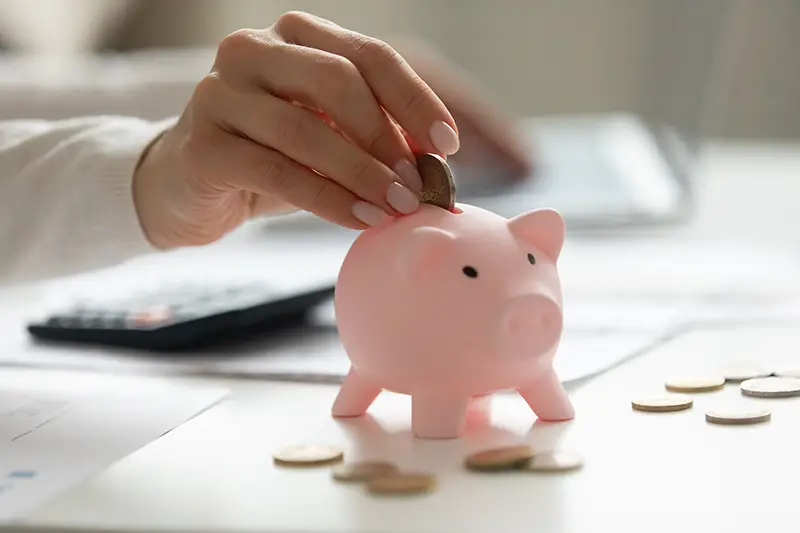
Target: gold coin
[(438, 185), (402, 483), (363, 471), (554, 462), (698, 384), (308, 455), (663, 404), (789, 372), (732, 416), (741, 372), (510, 457), (772, 387)]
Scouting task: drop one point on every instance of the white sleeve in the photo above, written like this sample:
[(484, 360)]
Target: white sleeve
[(66, 203)]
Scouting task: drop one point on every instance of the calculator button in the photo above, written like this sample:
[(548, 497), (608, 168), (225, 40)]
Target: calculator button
[(91, 321), (115, 322), (152, 317), (185, 316), (60, 321)]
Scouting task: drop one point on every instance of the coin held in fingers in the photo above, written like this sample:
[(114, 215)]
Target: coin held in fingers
[(438, 184)]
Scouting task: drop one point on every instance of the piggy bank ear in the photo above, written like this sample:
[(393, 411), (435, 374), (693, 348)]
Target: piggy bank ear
[(426, 246), (542, 228)]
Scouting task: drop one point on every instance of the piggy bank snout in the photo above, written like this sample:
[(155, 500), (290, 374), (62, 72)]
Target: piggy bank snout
[(531, 325)]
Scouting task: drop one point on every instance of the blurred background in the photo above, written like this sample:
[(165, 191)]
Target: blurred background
[(535, 57), (619, 99)]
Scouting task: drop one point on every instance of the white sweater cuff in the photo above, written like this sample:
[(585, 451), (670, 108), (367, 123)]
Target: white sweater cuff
[(112, 217), (68, 195)]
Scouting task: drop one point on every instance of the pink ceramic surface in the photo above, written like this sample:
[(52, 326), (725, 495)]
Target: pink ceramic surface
[(447, 306)]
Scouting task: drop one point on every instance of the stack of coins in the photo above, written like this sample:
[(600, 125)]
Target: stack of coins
[(438, 185)]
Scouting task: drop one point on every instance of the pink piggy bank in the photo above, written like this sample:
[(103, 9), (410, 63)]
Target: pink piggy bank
[(447, 306)]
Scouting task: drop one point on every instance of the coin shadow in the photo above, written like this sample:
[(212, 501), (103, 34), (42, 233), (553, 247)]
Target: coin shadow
[(372, 440), (545, 436)]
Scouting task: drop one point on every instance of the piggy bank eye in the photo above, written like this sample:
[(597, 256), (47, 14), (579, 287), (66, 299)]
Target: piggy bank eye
[(470, 272), (531, 259)]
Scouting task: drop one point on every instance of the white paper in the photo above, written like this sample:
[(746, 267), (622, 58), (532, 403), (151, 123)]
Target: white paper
[(321, 358), (57, 430)]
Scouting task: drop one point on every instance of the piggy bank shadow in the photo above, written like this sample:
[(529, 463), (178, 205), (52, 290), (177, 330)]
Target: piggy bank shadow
[(372, 440)]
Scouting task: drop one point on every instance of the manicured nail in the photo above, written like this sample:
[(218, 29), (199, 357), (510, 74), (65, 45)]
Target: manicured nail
[(369, 214), (409, 174), (400, 198), (444, 138)]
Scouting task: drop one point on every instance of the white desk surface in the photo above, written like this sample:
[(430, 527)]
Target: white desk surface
[(658, 473), (653, 473)]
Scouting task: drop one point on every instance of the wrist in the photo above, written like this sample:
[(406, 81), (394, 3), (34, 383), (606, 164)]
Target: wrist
[(145, 190)]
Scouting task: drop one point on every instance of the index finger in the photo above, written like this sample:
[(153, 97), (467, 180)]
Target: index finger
[(399, 90)]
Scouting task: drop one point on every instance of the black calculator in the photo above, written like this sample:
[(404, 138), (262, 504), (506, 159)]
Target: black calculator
[(181, 318)]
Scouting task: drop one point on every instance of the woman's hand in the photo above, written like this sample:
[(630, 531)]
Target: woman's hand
[(303, 115)]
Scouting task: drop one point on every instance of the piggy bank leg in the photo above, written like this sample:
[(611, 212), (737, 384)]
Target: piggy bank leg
[(438, 416), (547, 398), (355, 396)]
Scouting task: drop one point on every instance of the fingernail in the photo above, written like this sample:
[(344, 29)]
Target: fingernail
[(444, 138), (369, 214), (409, 174), (400, 198)]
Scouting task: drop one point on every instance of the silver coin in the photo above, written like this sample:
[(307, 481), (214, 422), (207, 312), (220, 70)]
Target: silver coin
[(438, 185), (771, 387), (738, 372), (737, 416), (788, 372)]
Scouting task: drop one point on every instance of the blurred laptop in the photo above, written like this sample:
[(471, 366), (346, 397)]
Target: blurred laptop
[(635, 167)]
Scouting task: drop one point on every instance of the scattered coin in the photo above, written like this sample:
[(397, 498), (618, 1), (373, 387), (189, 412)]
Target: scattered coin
[(308, 455), (737, 373), (663, 404), (438, 185), (554, 462), (789, 372), (363, 471), (773, 387), (734, 416), (506, 458), (402, 483), (699, 384)]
